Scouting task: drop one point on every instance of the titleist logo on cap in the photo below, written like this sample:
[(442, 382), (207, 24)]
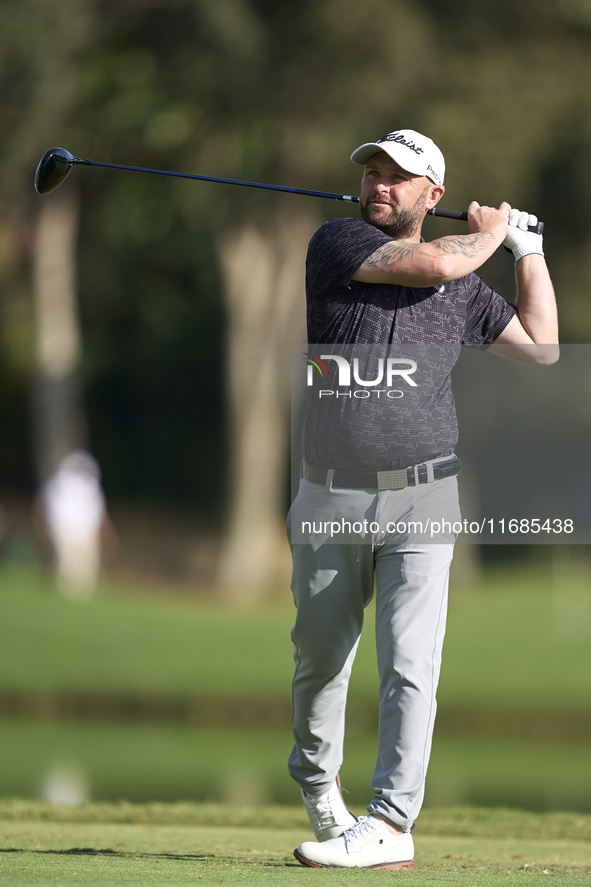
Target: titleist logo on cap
[(414, 152), (398, 137)]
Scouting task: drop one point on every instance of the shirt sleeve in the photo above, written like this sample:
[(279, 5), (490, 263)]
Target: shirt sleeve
[(487, 315), (337, 250)]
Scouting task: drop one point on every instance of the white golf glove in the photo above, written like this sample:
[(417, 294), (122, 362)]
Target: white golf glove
[(519, 240)]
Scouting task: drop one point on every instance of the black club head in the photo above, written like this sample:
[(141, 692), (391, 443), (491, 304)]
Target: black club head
[(53, 168)]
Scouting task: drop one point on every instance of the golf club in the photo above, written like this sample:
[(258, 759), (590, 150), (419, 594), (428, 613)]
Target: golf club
[(55, 166)]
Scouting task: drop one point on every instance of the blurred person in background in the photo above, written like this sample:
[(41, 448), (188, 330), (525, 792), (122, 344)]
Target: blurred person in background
[(71, 511)]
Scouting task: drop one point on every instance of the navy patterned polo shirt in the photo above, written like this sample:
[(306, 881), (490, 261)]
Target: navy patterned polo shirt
[(400, 343)]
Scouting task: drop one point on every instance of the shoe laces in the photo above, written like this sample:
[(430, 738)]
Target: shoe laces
[(323, 814), (365, 825)]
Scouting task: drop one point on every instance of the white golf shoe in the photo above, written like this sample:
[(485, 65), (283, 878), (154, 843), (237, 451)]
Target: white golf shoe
[(328, 815), (366, 845)]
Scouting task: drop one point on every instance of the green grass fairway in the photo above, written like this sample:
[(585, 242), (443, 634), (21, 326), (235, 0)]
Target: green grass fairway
[(497, 847), (44, 852)]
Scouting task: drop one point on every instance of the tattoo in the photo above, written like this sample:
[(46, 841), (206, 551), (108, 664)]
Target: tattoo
[(464, 245), (391, 253), (398, 250)]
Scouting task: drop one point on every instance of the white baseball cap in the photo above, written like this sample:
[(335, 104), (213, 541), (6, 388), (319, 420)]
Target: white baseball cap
[(412, 151)]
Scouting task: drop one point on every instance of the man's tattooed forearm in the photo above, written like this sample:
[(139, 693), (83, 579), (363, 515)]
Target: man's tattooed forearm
[(391, 253), (464, 245), (396, 251)]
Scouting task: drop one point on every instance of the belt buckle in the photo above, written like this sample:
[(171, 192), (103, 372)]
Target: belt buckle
[(392, 480)]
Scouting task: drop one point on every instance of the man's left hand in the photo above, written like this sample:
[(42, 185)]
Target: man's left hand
[(519, 240)]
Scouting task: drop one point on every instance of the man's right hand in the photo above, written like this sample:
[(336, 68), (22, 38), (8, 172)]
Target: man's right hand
[(487, 218)]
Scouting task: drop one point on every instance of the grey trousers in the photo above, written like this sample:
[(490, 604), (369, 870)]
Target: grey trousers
[(332, 585)]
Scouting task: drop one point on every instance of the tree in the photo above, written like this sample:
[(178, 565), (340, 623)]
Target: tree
[(44, 63)]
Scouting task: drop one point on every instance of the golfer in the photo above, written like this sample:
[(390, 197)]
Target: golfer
[(385, 463)]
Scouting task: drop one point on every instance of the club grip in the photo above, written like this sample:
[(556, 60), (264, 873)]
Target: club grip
[(463, 217), (449, 213)]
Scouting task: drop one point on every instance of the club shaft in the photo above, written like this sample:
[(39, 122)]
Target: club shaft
[(186, 175), (444, 213)]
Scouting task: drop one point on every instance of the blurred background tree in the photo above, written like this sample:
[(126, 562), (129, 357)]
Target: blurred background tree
[(188, 294)]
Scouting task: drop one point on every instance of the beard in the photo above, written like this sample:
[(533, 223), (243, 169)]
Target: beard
[(398, 224)]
